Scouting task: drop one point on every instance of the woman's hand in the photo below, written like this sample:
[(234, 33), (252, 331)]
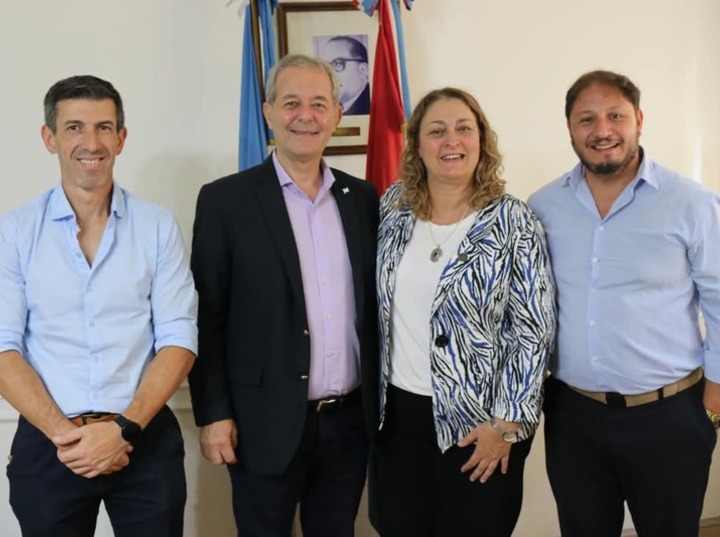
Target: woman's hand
[(490, 449)]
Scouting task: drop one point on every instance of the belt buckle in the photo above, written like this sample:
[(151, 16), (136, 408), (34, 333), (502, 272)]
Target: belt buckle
[(328, 403)]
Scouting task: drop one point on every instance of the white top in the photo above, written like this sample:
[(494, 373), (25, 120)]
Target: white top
[(417, 280)]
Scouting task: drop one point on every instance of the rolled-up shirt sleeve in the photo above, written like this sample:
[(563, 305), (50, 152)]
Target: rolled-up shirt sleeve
[(173, 296), (13, 304)]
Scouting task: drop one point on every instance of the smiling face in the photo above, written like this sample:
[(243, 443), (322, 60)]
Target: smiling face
[(303, 115), (86, 140), (605, 132), (449, 142)]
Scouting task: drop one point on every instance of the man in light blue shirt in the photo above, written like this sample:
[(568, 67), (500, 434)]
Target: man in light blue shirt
[(97, 330), (635, 250)]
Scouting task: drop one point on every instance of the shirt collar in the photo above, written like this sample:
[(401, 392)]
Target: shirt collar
[(60, 207), (645, 173), (286, 181)]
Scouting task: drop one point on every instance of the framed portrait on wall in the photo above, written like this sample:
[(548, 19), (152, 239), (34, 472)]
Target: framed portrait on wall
[(344, 36)]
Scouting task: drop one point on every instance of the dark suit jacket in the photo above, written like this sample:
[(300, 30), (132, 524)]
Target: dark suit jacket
[(254, 344), (361, 106)]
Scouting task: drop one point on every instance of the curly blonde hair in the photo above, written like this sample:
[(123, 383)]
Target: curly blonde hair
[(487, 184)]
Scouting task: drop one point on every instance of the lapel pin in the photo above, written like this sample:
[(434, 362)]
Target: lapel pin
[(345, 190)]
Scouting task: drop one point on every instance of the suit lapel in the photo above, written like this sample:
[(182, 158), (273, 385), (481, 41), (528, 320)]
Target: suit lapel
[(272, 203), (395, 234), (347, 204)]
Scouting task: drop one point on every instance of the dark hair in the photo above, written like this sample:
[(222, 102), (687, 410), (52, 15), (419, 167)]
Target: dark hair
[(357, 49), (81, 87), (602, 78), (488, 183)]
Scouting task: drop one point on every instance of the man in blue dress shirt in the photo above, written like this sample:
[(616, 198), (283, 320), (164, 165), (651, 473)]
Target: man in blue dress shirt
[(635, 249), (97, 330)]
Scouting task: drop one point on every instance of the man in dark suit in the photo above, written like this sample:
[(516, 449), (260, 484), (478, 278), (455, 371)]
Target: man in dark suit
[(285, 386)]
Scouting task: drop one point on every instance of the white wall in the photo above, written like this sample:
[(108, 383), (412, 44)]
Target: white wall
[(176, 63)]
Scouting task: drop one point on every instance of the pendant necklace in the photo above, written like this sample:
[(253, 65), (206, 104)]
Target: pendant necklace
[(437, 252)]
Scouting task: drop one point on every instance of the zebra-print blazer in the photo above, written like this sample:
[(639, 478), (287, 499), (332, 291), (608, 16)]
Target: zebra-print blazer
[(492, 321)]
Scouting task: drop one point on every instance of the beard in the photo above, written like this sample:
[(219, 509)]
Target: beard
[(607, 168)]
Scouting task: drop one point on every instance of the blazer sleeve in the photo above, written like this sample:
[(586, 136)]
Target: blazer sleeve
[(211, 264), (529, 327)]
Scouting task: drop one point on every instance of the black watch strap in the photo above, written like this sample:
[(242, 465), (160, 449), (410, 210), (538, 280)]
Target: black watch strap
[(129, 430)]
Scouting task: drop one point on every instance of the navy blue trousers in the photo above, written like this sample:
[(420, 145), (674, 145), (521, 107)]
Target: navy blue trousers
[(144, 499), (421, 492), (655, 457), (325, 478)]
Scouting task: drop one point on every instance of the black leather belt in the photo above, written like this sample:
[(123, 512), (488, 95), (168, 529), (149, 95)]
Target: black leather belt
[(334, 402), (92, 417)]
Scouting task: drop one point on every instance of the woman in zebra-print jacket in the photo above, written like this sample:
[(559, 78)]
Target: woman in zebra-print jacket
[(467, 319)]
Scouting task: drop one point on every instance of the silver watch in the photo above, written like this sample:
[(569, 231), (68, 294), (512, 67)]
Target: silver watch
[(508, 436)]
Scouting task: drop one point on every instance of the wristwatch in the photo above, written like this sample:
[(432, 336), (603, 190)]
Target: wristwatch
[(508, 436), (714, 417), (129, 430)]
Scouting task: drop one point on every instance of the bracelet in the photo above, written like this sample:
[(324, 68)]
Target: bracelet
[(714, 417), (508, 436)]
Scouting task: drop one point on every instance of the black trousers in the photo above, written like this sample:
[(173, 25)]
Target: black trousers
[(325, 477), (655, 457), (144, 499), (421, 492)]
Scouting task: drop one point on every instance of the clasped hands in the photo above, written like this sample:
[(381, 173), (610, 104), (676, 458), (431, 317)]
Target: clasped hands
[(94, 449)]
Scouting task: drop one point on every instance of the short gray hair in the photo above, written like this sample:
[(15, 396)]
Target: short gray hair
[(304, 62)]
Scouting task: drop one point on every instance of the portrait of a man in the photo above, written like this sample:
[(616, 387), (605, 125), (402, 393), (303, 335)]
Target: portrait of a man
[(348, 55)]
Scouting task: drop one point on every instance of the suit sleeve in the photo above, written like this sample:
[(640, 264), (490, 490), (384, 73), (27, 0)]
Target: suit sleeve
[(211, 266)]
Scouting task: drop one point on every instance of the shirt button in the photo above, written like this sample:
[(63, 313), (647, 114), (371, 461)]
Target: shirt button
[(601, 228), (594, 259), (305, 332), (594, 358), (441, 341), (91, 324), (592, 323), (328, 317)]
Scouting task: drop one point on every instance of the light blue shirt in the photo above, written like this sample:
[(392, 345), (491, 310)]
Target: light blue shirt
[(630, 286), (90, 332)]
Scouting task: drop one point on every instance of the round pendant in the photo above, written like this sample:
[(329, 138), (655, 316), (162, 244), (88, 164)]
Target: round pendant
[(436, 254)]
